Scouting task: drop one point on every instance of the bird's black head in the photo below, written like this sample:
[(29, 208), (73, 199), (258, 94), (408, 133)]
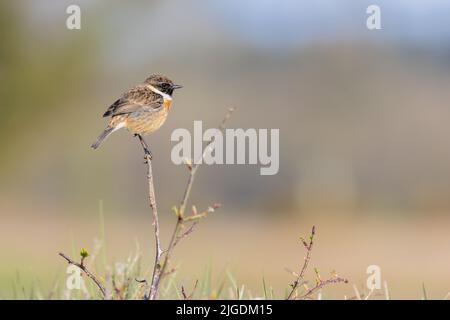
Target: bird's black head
[(162, 83)]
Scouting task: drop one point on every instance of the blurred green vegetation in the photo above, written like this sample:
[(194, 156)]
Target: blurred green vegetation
[(39, 74), (363, 123)]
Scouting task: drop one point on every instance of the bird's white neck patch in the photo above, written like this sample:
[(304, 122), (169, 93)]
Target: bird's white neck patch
[(164, 95)]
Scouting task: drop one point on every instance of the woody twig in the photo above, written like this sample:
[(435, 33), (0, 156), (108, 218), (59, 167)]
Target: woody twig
[(300, 277), (162, 257), (83, 268)]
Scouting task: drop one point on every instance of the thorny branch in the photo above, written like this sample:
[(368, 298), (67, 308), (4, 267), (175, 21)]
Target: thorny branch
[(86, 271), (151, 195), (322, 283), (159, 270), (300, 277), (189, 297)]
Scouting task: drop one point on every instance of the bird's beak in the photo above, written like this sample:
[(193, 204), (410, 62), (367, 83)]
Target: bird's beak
[(176, 86)]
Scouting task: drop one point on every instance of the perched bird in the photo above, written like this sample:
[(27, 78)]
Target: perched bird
[(142, 109)]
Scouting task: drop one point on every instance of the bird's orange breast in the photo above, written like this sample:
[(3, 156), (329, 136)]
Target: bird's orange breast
[(167, 103), (147, 122)]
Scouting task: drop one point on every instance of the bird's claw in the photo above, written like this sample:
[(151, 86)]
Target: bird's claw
[(147, 156)]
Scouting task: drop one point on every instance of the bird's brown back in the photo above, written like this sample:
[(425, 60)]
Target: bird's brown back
[(139, 97)]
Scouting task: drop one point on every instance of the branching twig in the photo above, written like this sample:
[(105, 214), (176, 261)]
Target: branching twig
[(189, 297), (158, 253), (185, 233), (160, 267), (196, 164), (86, 271), (322, 283), (300, 277)]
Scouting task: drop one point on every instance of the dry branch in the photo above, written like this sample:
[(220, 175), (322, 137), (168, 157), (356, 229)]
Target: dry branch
[(300, 277), (158, 253), (160, 267), (189, 297), (301, 274), (86, 271)]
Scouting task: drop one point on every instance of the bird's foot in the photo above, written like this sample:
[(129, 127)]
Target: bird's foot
[(147, 155)]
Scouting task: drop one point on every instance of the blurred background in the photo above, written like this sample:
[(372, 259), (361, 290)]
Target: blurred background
[(364, 137)]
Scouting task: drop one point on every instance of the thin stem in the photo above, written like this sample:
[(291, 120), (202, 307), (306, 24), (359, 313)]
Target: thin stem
[(86, 271), (195, 166), (178, 226), (301, 275), (321, 284), (152, 197)]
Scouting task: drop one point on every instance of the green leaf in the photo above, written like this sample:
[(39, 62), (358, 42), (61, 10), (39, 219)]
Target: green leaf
[(84, 253)]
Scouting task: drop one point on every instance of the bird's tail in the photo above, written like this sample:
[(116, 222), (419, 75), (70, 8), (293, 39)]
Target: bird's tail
[(102, 137)]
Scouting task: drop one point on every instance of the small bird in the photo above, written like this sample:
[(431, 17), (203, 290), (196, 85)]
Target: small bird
[(142, 110)]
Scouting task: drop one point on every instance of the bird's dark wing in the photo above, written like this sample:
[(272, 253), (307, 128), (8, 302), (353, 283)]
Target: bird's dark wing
[(138, 98), (116, 105)]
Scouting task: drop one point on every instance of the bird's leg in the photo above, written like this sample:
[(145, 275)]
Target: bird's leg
[(147, 151)]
